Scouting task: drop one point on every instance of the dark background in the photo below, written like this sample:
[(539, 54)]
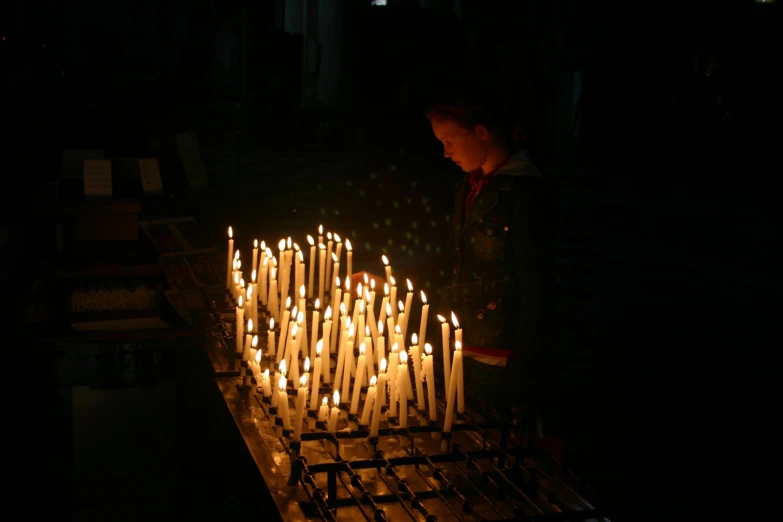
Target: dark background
[(659, 123)]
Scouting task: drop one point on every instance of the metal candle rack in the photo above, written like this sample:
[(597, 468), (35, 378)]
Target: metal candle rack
[(417, 472)]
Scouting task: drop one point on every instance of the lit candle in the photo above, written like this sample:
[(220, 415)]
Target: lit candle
[(307, 368), (425, 310), (335, 413), (320, 233), (369, 402), (347, 294), (384, 304), (273, 306), (254, 361), (335, 272), (281, 372), (298, 281), (429, 375), (380, 344), (328, 337), (339, 251), (301, 399), (254, 266), (451, 397), (347, 362), (403, 383), (282, 402), (359, 303), (270, 336), (344, 344), (408, 302), (379, 399), (296, 342), (323, 411), (314, 327), (369, 351), (416, 355), (393, 299), (240, 323), (283, 332), (283, 275), (349, 259), (390, 324), (357, 383), (310, 279), (316, 374), (400, 322), (457, 329), (248, 340), (254, 290), (321, 270), (445, 333), (230, 259), (387, 266), (329, 246), (371, 301), (394, 358), (264, 293), (302, 298), (373, 324), (265, 385)]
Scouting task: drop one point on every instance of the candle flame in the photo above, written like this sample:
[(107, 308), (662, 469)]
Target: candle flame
[(272, 323), (289, 243), (294, 312), (288, 302), (395, 348), (273, 272), (234, 264), (361, 307), (372, 284), (294, 330), (282, 383), (281, 244), (361, 349), (258, 353), (240, 301), (239, 264), (454, 320), (282, 367), (348, 245), (366, 330), (373, 380), (302, 291), (329, 236), (423, 297), (317, 301), (250, 325), (397, 329), (383, 365), (385, 260), (266, 261), (321, 246), (303, 381), (320, 230), (242, 283), (249, 292), (253, 276), (351, 331), (230, 233), (366, 279), (414, 339), (254, 343), (441, 319), (359, 290), (347, 322), (457, 345), (410, 285), (386, 289), (328, 313), (307, 364), (337, 238), (403, 357), (428, 348), (236, 254), (269, 252), (336, 398), (266, 373), (347, 284), (255, 243), (393, 281), (342, 308), (388, 309), (263, 246), (300, 256), (334, 257), (296, 247), (380, 327), (401, 305), (325, 402), (300, 317), (310, 240), (318, 347)]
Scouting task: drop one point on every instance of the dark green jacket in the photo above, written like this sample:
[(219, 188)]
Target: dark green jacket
[(500, 287)]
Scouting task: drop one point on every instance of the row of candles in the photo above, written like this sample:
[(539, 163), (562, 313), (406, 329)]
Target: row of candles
[(391, 385)]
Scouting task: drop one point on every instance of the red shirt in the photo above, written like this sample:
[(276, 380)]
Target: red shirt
[(477, 181)]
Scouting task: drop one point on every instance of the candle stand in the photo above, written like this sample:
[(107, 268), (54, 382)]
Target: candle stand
[(412, 473)]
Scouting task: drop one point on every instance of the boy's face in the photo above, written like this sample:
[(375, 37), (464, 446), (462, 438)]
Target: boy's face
[(468, 149)]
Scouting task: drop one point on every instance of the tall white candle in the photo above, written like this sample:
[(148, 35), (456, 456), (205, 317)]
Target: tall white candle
[(451, 396), (400, 321), (357, 305), (320, 234), (387, 267), (403, 383), (298, 281), (347, 296), (347, 364), (373, 324), (349, 259), (296, 343), (335, 299), (368, 402), (311, 261), (329, 259), (445, 333), (393, 301), (230, 260), (380, 344), (316, 374), (323, 411), (255, 255), (357, 383), (254, 291), (314, 327), (327, 337), (408, 302), (270, 337), (335, 413), (384, 308), (301, 399), (263, 290), (340, 375), (425, 310), (379, 399), (394, 361), (429, 375), (370, 366), (240, 323), (335, 273), (338, 251), (371, 302), (283, 333), (248, 340), (265, 385), (282, 402), (457, 329), (416, 355), (273, 306), (321, 270)]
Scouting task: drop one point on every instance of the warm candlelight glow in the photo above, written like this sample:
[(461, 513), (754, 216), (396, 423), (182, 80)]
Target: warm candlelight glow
[(249, 325), (401, 306), (329, 236), (457, 345), (361, 307), (236, 278), (321, 246), (300, 256), (282, 367), (337, 238), (374, 379), (348, 245), (454, 320), (367, 331), (361, 349), (397, 329), (395, 348), (294, 312), (266, 262), (388, 309), (310, 240), (380, 327), (269, 253), (403, 357), (242, 282), (386, 289), (351, 330), (282, 383), (317, 301), (383, 365), (266, 373), (272, 323), (255, 243), (372, 285), (230, 233), (328, 313), (318, 347), (366, 279), (294, 330), (303, 380), (236, 254), (414, 339), (320, 230), (302, 291), (307, 364), (325, 402), (240, 302), (358, 290), (234, 264), (347, 285), (258, 353), (336, 398), (337, 282), (385, 260), (273, 272), (423, 297), (296, 247), (300, 317), (428, 348), (334, 257), (281, 244), (410, 285), (342, 308), (253, 276), (441, 319), (263, 246), (289, 243), (393, 281)]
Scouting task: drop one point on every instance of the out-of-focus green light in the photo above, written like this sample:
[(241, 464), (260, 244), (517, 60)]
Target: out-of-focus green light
[(396, 204), (383, 250), (390, 241), (428, 247), (437, 249), (362, 193), (447, 218), (403, 247), (408, 235), (416, 240), (414, 225), (410, 253), (393, 167), (427, 209), (353, 233), (433, 223), (336, 212), (425, 200), (441, 272), (376, 225), (409, 201), (323, 211), (373, 175), (428, 284), (349, 183), (367, 245), (388, 222), (414, 183), (381, 185)]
